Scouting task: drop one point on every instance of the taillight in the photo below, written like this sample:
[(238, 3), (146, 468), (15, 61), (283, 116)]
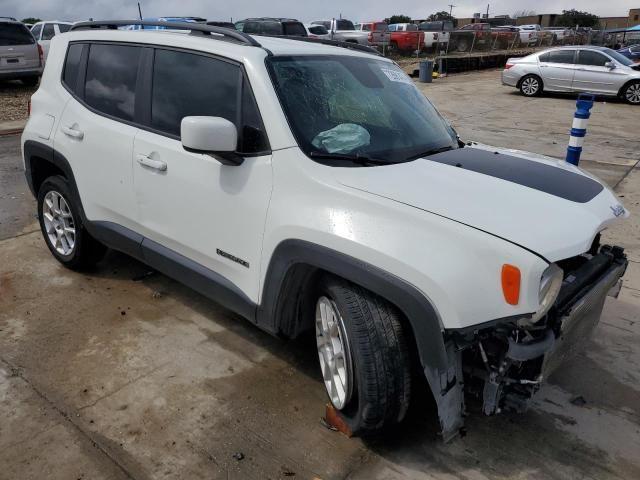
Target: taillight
[(508, 66), (40, 53), (370, 37)]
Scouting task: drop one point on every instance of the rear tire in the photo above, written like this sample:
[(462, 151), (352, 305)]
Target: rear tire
[(62, 227), (369, 382), (530, 86), (631, 93)]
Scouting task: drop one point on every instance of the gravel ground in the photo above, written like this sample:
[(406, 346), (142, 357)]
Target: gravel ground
[(14, 98)]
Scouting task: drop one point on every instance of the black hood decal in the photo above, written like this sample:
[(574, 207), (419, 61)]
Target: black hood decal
[(529, 173)]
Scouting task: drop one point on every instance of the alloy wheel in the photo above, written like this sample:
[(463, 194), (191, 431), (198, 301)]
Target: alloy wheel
[(333, 351), (632, 94), (59, 223), (530, 86)]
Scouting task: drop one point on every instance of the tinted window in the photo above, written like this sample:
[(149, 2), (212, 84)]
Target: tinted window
[(63, 27), (48, 32), (269, 28), (252, 136), (344, 25), (318, 30), (111, 79), (295, 29), (240, 26), (380, 27), (411, 27), (15, 34), (544, 57), (36, 30), (561, 56), (185, 84), (72, 66), (587, 57)]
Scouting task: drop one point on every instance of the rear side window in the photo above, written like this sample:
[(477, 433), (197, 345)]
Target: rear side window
[(318, 30), (179, 89), (294, 29), (72, 67), (63, 27), (48, 32), (15, 34), (111, 77), (561, 56), (595, 59)]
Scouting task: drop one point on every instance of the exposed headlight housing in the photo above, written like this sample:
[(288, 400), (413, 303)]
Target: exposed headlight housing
[(550, 285)]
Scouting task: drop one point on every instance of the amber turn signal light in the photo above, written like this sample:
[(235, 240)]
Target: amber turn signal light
[(511, 283)]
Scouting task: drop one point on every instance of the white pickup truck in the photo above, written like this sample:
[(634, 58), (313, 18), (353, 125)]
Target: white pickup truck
[(344, 31)]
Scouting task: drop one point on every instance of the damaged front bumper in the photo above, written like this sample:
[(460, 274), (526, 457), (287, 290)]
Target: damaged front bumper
[(504, 364)]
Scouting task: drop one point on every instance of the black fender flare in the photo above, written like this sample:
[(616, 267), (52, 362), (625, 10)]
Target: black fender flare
[(415, 306), (33, 149)]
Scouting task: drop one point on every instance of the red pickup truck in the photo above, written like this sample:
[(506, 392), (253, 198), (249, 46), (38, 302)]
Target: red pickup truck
[(405, 37)]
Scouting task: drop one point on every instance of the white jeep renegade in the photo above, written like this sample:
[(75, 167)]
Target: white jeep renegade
[(308, 186)]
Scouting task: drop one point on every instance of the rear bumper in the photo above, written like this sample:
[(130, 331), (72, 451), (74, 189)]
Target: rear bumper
[(20, 73), (509, 79)]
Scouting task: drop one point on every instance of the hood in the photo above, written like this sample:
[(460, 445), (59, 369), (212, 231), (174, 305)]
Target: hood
[(542, 204)]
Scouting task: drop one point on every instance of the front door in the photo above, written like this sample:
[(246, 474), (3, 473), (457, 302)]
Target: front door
[(188, 202), (557, 68), (593, 76)]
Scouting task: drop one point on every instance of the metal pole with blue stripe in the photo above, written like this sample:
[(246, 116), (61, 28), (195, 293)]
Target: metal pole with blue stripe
[(579, 127)]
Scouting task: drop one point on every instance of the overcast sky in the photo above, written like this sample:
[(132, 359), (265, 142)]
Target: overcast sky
[(305, 10)]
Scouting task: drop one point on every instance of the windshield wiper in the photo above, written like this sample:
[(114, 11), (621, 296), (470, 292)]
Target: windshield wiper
[(430, 152), (356, 158)]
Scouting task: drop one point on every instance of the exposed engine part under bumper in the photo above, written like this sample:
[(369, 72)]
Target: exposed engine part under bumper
[(504, 364)]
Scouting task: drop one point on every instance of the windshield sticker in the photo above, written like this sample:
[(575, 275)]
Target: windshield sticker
[(396, 75)]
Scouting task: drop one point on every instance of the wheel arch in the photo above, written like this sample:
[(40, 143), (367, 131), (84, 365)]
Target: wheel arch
[(42, 161), (296, 264), (626, 84), (531, 75)]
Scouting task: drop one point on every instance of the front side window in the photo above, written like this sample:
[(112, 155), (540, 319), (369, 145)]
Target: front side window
[(178, 91), (619, 57), (112, 73), (357, 106), (48, 31), (594, 59)]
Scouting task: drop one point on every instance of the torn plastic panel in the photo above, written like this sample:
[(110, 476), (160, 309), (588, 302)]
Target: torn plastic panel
[(504, 364)]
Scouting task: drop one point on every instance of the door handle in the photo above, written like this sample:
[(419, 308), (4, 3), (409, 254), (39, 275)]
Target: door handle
[(72, 132), (151, 163)]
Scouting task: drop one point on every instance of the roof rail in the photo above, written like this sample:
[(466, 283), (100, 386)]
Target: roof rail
[(193, 27), (333, 43)]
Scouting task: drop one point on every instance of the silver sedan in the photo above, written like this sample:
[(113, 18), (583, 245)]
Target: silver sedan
[(597, 70)]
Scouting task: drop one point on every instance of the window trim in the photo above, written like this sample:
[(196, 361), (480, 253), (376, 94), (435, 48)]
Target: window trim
[(144, 87)]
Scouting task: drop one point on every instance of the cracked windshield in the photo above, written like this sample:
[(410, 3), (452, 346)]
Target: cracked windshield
[(357, 108)]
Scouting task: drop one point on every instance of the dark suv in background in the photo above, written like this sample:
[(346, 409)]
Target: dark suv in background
[(20, 54), (272, 26)]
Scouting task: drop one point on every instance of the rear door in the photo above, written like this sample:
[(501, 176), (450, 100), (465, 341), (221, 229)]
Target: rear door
[(97, 128), (557, 68), (18, 50), (592, 75), (189, 203)]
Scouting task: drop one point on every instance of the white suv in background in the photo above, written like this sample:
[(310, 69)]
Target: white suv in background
[(313, 188), (45, 31)]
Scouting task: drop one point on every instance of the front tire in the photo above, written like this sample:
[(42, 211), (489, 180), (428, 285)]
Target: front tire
[(62, 228), (631, 93), (531, 86), (363, 355)]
